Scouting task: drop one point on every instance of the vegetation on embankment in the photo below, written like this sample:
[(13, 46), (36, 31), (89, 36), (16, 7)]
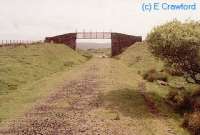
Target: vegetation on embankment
[(22, 65), (141, 61), (178, 44), (140, 58), (169, 62), (24, 69)]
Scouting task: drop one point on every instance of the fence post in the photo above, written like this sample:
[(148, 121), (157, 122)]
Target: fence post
[(13, 43), (1, 45)]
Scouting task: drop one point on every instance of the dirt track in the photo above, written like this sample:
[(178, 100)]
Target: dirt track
[(93, 103), (54, 117)]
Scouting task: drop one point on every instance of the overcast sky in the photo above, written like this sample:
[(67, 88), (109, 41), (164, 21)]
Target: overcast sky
[(36, 19)]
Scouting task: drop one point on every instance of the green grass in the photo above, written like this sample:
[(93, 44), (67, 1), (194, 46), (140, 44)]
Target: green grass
[(28, 74), (22, 65), (139, 58)]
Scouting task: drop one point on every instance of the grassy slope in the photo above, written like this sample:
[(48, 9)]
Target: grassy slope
[(139, 59), (21, 68), (21, 65)]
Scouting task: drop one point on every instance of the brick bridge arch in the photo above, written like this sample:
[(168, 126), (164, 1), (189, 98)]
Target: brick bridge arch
[(119, 41)]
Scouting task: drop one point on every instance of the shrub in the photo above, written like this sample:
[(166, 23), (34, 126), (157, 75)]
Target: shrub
[(174, 71), (192, 122), (182, 100), (178, 43), (179, 99), (153, 75), (195, 101)]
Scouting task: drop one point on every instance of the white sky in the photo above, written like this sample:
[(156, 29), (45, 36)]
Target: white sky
[(36, 19)]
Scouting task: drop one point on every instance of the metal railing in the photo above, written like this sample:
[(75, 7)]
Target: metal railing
[(93, 35), (14, 43)]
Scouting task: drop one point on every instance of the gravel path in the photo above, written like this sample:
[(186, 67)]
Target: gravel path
[(79, 107), (67, 111)]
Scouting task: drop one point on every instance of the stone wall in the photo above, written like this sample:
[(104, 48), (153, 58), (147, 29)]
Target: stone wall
[(68, 39), (121, 41)]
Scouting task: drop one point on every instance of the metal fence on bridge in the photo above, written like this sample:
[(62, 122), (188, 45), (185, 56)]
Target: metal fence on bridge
[(93, 35)]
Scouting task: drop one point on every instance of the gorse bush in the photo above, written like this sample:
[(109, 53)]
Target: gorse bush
[(153, 75), (192, 122), (179, 99), (178, 43), (187, 103)]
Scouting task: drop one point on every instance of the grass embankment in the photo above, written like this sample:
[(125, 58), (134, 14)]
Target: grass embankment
[(139, 58), (26, 74)]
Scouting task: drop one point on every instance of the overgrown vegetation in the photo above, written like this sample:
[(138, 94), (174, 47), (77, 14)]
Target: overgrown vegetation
[(192, 122), (171, 54), (143, 63), (179, 99), (153, 75), (178, 43)]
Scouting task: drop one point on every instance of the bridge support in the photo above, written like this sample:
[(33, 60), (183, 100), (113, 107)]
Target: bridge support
[(67, 39), (119, 41)]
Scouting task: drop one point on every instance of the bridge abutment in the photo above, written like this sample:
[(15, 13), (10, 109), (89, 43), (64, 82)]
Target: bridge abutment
[(67, 39), (121, 41)]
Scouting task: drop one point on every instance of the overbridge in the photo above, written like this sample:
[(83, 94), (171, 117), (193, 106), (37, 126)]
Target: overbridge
[(119, 41)]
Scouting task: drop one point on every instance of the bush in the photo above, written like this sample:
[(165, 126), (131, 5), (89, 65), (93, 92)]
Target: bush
[(192, 119), (192, 122), (195, 101), (183, 100), (152, 75), (187, 103), (174, 71), (178, 43), (179, 99)]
